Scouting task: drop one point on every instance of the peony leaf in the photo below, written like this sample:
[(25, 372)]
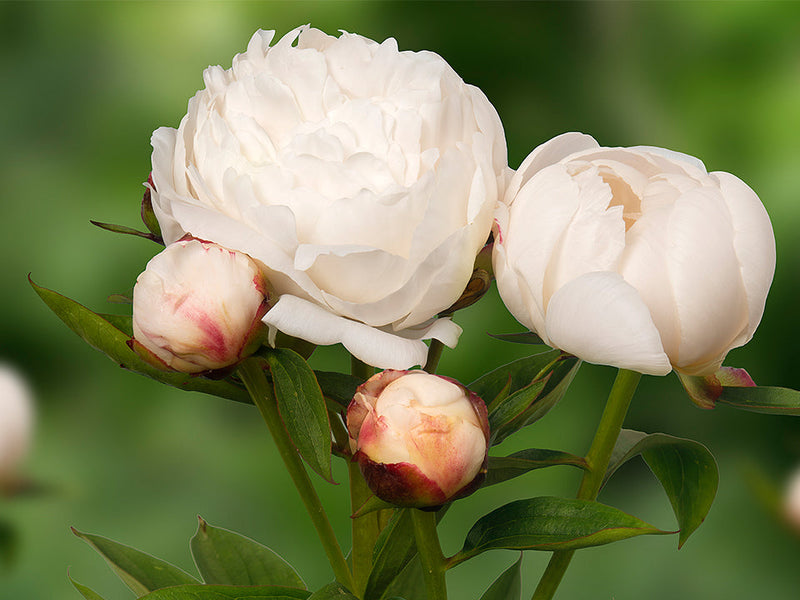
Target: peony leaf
[(527, 337), (102, 334), (409, 583), (332, 591), (302, 408), (8, 543), (550, 523), (686, 470), (225, 557), (508, 586), (767, 400), (227, 592), (141, 572), (127, 231), (338, 387), (87, 593), (525, 390), (503, 468)]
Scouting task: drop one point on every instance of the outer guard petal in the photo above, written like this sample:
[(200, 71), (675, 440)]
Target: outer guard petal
[(600, 318)]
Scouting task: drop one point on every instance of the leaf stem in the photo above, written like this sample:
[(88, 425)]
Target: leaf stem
[(433, 561), (252, 374), (434, 354), (619, 399)]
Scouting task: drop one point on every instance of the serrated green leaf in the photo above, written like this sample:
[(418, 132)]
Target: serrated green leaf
[(508, 586), (332, 591), (302, 408), (87, 593), (227, 592), (550, 523), (338, 387), (140, 571), (762, 399), (225, 557), (527, 337), (685, 468), (503, 468), (102, 335)]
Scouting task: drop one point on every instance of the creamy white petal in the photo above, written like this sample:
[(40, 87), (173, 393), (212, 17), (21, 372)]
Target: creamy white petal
[(300, 318), (601, 319), (754, 243)]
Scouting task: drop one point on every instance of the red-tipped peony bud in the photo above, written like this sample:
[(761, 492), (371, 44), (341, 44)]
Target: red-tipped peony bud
[(198, 307), (421, 440)]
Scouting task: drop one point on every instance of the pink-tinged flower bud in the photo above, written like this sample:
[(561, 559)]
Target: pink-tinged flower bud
[(198, 307), (16, 425), (421, 440)]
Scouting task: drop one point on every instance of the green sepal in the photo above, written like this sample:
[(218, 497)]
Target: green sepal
[(228, 558), (87, 593), (372, 504), (227, 592), (149, 216), (503, 468), (127, 231), (332, 591), (550, 523), (685, 468), (140, 571), (508, 586), (101, 333), (302, 408)]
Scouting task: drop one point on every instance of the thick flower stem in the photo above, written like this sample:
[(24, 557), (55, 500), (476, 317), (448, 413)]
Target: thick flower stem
[(430, 553), (365, 529), (434, 354), (252, 374), (619, 399)]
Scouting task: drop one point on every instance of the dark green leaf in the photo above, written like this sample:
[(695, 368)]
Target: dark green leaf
[(768, 400), (506, 411), (503, 468), (226, 592), (139, 571), (409, 583), (8, 543), (527, 337), (686, 470), (521, 372), (332, 591), (122, 322), (338, 387), (126, 230), (225, 557), (104, 336), (549, 523), (508, 586), (302, 408), (87, 593)]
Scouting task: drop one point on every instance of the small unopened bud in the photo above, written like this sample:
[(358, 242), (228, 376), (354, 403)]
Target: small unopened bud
[(198, 307), (16, 425), (421, 440)]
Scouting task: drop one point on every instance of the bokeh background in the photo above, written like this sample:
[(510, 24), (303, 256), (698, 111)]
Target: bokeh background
[(84, 85)]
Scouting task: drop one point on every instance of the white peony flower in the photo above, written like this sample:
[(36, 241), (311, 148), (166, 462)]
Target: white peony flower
[(420, 439), (363, 178), (633, 257), (198, 307), (16, 424)]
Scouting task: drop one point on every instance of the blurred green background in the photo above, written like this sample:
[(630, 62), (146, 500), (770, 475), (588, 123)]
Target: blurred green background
[(85, 84)]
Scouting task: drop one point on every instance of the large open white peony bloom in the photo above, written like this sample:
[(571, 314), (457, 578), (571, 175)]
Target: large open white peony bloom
[(633, 257), (363, 178)]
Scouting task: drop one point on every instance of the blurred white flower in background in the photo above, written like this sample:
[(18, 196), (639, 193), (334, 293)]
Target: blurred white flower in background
[(16, 425)]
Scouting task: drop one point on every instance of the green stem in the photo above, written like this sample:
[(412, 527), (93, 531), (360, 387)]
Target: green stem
[(619, 399), (434, 354), (434, 564), (252, 374), (365, 529)]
